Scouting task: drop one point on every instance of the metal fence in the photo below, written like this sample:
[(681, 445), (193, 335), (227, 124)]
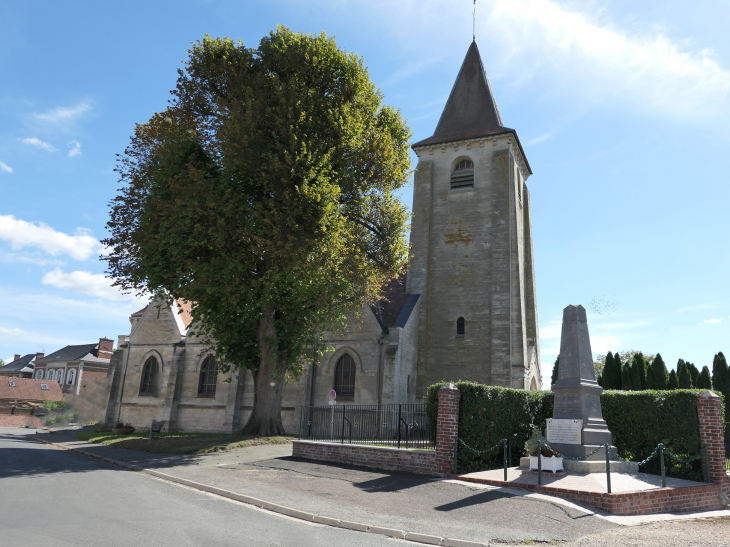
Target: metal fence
[(400, 426)]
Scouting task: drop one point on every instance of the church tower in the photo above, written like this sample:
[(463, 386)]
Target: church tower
[(471, 241)]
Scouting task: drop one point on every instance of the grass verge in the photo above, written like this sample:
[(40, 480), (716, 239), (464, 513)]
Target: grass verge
[(178, 443)]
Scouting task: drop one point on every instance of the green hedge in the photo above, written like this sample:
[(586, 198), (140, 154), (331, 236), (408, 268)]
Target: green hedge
[(638, 420), (488, 414)]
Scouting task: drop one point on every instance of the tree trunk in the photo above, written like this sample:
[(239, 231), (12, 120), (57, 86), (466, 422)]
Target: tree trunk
[(265, 419)]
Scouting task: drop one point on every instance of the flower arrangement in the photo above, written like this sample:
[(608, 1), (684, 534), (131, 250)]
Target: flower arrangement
[(531, 446)]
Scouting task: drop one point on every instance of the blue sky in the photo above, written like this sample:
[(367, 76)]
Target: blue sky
[(623, 111)]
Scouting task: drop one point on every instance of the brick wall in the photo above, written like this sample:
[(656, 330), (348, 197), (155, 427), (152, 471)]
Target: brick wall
[(392, 459), (709, 412), (7, 420), (447, 427)]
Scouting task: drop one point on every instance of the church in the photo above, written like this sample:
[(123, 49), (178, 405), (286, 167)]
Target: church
[(465, 310)]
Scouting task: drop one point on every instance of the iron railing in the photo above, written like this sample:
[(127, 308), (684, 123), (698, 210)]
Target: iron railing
[(400, 426)]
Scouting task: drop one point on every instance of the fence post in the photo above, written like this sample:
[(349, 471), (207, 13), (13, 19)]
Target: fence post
[(505, 459), (608, 469), (661, 462), (343, 425), (709, 412), (539, 463), (399, 414)]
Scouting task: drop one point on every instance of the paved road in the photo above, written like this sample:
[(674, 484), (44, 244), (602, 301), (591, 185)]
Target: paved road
[(51, 497)]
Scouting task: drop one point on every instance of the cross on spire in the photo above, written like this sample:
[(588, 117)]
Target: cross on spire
[(474, 22)]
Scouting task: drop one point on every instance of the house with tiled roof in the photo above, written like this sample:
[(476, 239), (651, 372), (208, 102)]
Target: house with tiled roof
[(28, 390), (22, 366), (72, 366)]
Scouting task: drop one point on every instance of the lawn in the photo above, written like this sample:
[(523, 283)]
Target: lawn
[(178, 443)]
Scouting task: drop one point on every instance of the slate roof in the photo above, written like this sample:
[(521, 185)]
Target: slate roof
[(19, 364), (396, 305), (471, 110), (71, 353), (29, 389)]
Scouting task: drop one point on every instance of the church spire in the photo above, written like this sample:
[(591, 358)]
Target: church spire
[(471, 110)]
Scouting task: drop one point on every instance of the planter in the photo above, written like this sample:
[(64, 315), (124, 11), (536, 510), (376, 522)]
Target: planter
[(123, 430), (553, 463)]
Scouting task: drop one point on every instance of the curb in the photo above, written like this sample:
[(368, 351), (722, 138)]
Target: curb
[(281, 509)]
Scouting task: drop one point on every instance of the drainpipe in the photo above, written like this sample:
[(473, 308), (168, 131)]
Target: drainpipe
[(124, 378)]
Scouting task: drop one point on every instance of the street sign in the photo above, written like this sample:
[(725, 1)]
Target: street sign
[(333, 395), (332, 403)]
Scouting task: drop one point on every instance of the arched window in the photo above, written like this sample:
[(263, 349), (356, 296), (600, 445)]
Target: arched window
[(39, 374), (59, 376), (208, 378), (345, 378), (149, 378), (463, 174), (71, 379), (408, 385), (460, 330)]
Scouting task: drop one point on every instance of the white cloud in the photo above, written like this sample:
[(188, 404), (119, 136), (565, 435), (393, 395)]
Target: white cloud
[(97, 285), (21, 234), (74, 149), (604, 344), (29, 258), (651, 67), (713, 321), (5, 167), (33, 141), (64, 114), (538, 140)]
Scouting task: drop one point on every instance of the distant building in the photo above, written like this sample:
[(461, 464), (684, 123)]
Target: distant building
[(21, 367), (28, 390), (74, 365)]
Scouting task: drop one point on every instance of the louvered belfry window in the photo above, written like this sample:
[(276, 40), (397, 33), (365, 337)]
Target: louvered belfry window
[(345, 378), (460, 328), (463, 175), (208, 378)]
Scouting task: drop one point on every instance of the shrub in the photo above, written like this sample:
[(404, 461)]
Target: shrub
[(488, 414), (639, 421)]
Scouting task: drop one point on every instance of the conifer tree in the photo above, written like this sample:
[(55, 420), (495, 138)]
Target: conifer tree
[(683, 376), (599, 380), (640, 370), (704, 381), (626, 378), (720, 374), (635, 377), (607, 376), (618, 368), (673, 383), (694, 372), (555, 371), (659, 373)]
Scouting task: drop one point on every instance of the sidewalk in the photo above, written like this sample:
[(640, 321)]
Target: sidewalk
[(419, 504)]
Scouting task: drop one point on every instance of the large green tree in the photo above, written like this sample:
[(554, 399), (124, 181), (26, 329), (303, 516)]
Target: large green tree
[(657, 375), (683, 375), (704, 381), (265, 195), (554, 377), (673, 382)]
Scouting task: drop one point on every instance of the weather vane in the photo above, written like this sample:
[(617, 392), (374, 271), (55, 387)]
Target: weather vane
[(474, 22)]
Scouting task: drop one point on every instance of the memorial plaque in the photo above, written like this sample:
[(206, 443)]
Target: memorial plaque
[(568, 405), (564, 431)]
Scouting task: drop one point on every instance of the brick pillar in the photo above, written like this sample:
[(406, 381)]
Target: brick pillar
[(709, 411), (447, 427)]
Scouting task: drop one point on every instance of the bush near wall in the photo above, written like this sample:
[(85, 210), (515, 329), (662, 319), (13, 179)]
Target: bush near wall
[(488, 414), (638, 420)]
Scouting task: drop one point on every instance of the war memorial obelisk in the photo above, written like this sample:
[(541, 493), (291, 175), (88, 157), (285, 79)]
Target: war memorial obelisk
[(577, 427)]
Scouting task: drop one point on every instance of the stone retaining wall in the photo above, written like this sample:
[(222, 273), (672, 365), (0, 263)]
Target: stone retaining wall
[(7, 420)]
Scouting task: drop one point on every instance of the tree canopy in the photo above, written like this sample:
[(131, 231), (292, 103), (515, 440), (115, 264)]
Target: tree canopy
[(265, 195)]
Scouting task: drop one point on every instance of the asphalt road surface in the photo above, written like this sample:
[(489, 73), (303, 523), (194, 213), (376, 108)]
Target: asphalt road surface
[(51, 497)]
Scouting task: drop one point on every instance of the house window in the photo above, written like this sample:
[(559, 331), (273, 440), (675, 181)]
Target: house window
[(44, 386), (11, 383), (463, 174), (71, 379), (345, 378), (460, 330), (208, 378), (59, 376), (39, 375), (149, 378)]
